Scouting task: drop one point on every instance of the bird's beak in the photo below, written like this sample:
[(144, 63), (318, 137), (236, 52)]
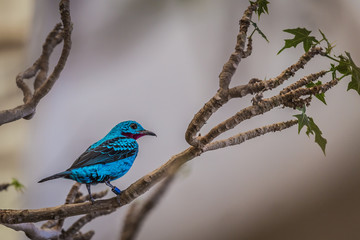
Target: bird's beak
[(147, 132)]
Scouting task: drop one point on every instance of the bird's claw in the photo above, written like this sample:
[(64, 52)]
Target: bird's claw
[(116, 190)]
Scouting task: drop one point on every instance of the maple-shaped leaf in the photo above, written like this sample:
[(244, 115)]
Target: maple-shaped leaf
[(262, 7), (301, 35), (355, 75), (312, 128)]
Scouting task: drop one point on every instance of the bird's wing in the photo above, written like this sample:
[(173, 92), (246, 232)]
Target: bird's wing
[(109, 151)]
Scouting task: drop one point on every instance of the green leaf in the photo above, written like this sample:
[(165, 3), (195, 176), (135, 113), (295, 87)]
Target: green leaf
[(262, 7), (355, 75), (319, 139), (301, 35), (320, 96), (256, 28), (344, 65), (17, 185), (303, 119), (312, 128)]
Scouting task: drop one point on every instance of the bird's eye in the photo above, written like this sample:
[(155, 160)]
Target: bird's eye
[(133, 126)]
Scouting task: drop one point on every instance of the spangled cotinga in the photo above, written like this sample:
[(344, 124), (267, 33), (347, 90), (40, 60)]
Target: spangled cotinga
[(108, 159)]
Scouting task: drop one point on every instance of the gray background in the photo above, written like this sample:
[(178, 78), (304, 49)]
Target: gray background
[(157, 62)]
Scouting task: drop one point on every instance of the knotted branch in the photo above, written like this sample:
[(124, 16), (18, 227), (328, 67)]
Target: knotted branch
[(39, 70), (225, 77)]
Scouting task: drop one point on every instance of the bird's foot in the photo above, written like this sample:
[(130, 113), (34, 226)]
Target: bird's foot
[(90, 196), (116, 190), (113, 188)]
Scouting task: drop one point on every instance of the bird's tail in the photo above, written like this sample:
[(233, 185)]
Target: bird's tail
[(58, 175)]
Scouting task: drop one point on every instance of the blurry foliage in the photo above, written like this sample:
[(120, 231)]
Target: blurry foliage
[(14, 183)]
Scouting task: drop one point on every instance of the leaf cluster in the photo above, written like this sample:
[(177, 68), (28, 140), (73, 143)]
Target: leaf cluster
[(343, 63), (261, 7), (342, 66), (345, 66)]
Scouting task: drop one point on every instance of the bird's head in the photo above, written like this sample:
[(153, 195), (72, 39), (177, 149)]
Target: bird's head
[(131, 129)]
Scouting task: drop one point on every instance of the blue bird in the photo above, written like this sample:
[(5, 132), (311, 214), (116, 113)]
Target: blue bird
[(107, 159)]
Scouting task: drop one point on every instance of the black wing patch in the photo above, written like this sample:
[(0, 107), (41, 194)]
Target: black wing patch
[(109, 151)]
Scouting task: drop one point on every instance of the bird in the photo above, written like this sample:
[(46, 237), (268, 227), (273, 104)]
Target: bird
[(107, 159)]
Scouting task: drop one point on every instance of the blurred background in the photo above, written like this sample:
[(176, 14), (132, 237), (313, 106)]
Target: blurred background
[(157, 62)]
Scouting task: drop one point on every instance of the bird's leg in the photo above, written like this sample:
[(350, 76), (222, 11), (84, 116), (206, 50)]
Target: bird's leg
[(113, 188), (88, 188)]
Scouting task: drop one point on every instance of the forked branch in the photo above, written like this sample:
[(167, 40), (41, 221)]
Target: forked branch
[(42, 83)]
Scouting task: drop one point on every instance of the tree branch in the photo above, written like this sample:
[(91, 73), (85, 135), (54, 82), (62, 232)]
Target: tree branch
[(225, 77), (42, 84), (136, 189)]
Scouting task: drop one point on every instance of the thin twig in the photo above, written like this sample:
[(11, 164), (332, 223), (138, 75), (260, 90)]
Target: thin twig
[(85, 198), (242, 137), (4, 186), (75, 227), (303, 81), (72, 193), (261, 86)]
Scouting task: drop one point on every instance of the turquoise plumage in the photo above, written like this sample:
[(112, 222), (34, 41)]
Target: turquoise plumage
[(108, 159)]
